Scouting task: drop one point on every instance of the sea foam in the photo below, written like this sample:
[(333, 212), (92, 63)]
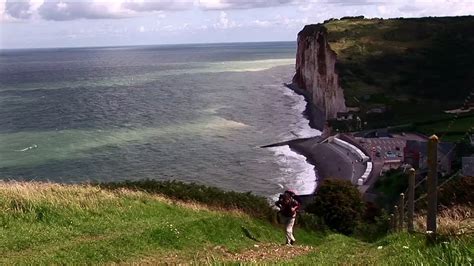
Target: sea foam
[(298, 174)]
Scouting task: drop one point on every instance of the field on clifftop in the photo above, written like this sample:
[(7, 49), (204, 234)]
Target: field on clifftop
[(42, 223), (416, 68)]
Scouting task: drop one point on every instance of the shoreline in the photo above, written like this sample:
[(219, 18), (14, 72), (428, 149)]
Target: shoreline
[(315, 116), (304, 146), (319, 154)]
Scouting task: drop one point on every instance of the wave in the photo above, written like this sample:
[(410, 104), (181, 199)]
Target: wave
[(298, 175), (169, 70), (28, 148), (303, 129), (73, 144)]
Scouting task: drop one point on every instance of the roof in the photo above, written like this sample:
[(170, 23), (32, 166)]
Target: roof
[(444, 148), (377, 133), (468, 166)]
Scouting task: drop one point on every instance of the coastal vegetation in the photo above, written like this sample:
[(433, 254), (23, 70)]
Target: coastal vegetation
[(454, 190), (411, 69), (340, 205), (45, 223)]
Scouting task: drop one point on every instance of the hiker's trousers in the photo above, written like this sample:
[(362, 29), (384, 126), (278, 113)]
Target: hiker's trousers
[(289, 222)]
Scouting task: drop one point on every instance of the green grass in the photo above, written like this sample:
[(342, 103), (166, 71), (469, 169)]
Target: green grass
[(46, 223), (59, 224), (452, 130), (395, 249)]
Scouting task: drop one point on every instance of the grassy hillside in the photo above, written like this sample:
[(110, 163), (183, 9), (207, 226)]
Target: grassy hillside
[(415, 67), (49, 223)]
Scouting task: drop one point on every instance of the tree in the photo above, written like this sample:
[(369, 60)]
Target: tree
[(339, 204)]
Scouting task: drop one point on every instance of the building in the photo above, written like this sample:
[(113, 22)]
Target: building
[(374, 133), (468, 166), (415, 153), (377, 110), (344, 116)]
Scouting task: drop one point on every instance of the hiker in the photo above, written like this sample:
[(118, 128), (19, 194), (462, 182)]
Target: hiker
[(288, 207)]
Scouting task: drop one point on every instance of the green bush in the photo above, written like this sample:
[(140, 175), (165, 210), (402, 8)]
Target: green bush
[(390, 185), (372, 231), (339, 204), (311, 222)]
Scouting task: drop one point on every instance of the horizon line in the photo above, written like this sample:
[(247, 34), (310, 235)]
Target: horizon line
[(137, 45)]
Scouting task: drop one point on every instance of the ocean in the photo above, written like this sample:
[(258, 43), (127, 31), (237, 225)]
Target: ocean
[(194, 113)]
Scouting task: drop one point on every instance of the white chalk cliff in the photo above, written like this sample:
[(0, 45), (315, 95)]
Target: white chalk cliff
[(316, 71)]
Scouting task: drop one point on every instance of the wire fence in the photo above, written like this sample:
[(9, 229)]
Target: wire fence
[(400, 219)]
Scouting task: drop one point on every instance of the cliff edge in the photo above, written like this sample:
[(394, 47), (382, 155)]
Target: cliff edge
[(316, 71)]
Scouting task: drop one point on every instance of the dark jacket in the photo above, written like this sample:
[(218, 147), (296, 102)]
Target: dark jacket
[(285, 207)]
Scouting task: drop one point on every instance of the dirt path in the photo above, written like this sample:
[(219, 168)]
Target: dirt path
[(262, 252)]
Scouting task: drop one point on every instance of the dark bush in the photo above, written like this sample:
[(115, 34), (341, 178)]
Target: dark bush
[(389, 186), (311, 222), (458, 191), (372, 231), (339, 204)]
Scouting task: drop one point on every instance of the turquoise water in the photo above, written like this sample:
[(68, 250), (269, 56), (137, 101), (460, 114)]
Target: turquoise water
[(195, 113)]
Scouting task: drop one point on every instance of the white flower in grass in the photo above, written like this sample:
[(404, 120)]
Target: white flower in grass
[(405, 247), (379, 247)]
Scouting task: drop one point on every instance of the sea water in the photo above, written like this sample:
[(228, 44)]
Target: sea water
[(194, 113)]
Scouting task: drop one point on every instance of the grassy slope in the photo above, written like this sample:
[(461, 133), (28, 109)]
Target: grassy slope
[(416, 67), (46, 223)]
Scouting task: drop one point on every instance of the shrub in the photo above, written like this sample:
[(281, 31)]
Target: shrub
[(339, 204), (458, 191), (390, 185), (311, 222), (371, 231)]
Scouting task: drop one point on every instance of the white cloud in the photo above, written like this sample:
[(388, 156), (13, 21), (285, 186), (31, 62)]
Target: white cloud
[(59, 10), (106, 9), (262, 23), (224, 22)]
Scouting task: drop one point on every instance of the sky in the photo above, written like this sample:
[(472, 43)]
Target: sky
[(68, 23)]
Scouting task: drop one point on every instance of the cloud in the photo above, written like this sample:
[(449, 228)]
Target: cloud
[(240, 4), (247, 4), (224, 22), (17, 9), (59, 10), (154, 5), (70, 10)]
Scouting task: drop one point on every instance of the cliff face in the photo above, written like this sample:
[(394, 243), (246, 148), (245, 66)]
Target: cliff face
[(316, 71)]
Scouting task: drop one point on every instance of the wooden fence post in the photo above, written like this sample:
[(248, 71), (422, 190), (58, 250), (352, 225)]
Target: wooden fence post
[(411, 199), (432, 183), (392, 222), (395, 218), (401, 222)]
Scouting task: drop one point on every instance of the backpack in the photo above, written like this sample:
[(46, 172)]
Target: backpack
[(293, 196)]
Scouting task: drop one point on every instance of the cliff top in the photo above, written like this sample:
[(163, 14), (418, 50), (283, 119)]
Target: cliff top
[(312, 29), (416, 67)]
